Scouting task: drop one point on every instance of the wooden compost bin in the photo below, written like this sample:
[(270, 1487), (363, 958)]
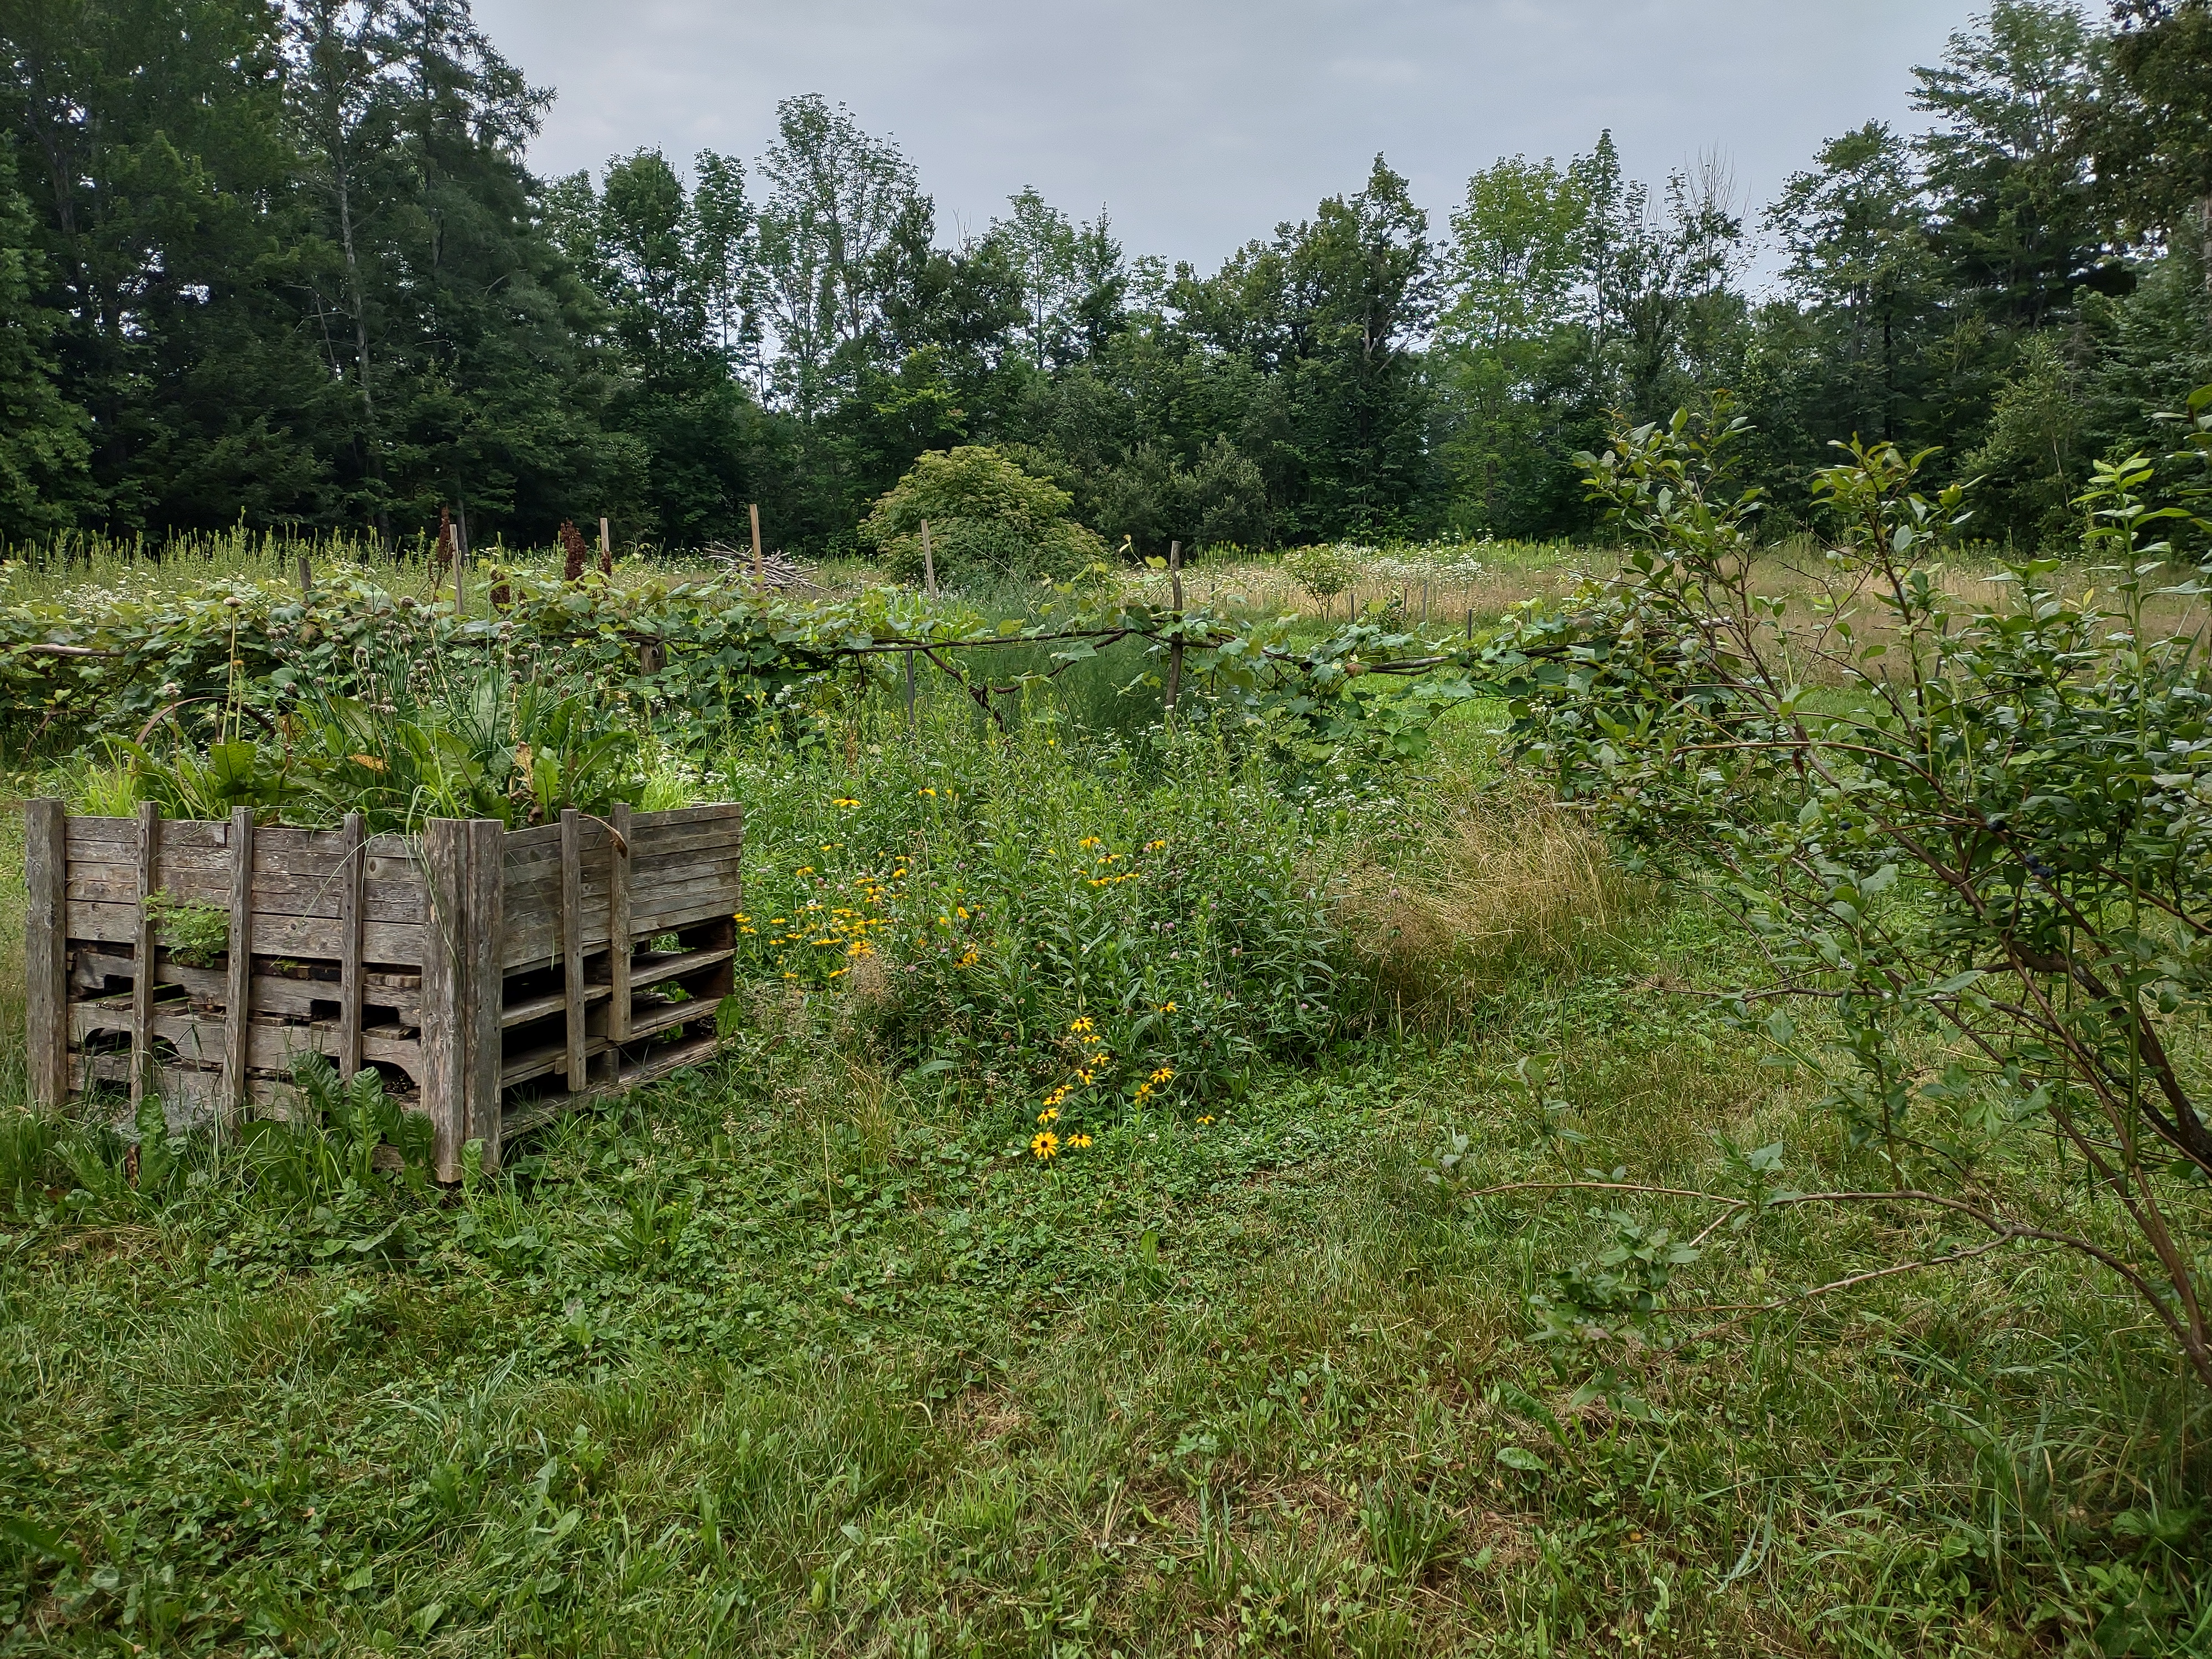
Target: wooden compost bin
[(491, 976)]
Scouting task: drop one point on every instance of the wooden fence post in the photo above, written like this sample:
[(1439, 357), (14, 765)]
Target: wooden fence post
[(45, 951), (142, 970), (238, 989), (445, 882), (1174, 650), (760, 569), (484, 988)]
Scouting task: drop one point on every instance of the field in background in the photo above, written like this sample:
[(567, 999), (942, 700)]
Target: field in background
[(1431, 588)]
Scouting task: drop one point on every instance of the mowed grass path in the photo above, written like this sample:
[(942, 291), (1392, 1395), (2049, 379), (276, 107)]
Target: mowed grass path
[(784, 1357)]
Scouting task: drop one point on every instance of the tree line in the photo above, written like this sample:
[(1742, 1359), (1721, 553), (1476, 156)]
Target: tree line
[(283, 261)]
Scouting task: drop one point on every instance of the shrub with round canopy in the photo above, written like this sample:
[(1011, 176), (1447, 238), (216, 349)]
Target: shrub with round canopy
[(985, 517)]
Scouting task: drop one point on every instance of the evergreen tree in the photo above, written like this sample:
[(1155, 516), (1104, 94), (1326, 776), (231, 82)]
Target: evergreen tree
[(2150, 130), (154, 149), (2013, 218), (1854, 232), (44, 479)]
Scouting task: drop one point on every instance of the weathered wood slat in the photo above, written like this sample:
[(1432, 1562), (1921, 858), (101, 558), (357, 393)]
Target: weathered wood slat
[(390, 857), (650, 1068), (352, 913), (675, 850), (46, 951), (542, 1007), (530, 852), (387, 898), (142, 938), (537, 849), (527, 848), (272, 993), (668, 841), (572, 943), (238, 989), (713, 811), (651, 969), (649, 864), (528, 841), (270, 1046), (712, 890), (715, 898), (309, 852), (619, 860), (549, 1060), (647, 1019), (116, 840), (542, 891), (188, 1096), (484, 992), (188, 1093), (445, 853), (396, 943)]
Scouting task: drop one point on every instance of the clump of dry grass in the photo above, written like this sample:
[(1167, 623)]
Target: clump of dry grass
[(1511, 883)]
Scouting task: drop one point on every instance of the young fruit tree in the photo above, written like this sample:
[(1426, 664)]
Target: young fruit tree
[(1978, 837)]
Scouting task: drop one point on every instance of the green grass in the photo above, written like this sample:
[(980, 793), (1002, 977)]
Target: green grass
[(804, 1353)]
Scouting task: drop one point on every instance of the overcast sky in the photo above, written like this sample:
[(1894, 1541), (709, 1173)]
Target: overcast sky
[(1199, 124)]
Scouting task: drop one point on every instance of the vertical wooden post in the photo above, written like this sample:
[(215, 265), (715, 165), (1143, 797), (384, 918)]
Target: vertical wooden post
[(618, 939), (141, 981), (45, 951), (445, 881), (307, 577), (484, 986), (238, 989), (1174, 650), (572, 940), (760, 569), (353, 888), (606, 537), (928, 562), (1470, 624)]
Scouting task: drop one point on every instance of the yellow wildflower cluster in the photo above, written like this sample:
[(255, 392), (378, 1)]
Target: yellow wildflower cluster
[(1091, 1061), (820, 927)]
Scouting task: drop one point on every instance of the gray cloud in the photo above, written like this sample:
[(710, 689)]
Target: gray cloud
[(1203, 123)]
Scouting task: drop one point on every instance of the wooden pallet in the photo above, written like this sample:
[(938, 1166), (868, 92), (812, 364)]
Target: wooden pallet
[(494, 977)]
